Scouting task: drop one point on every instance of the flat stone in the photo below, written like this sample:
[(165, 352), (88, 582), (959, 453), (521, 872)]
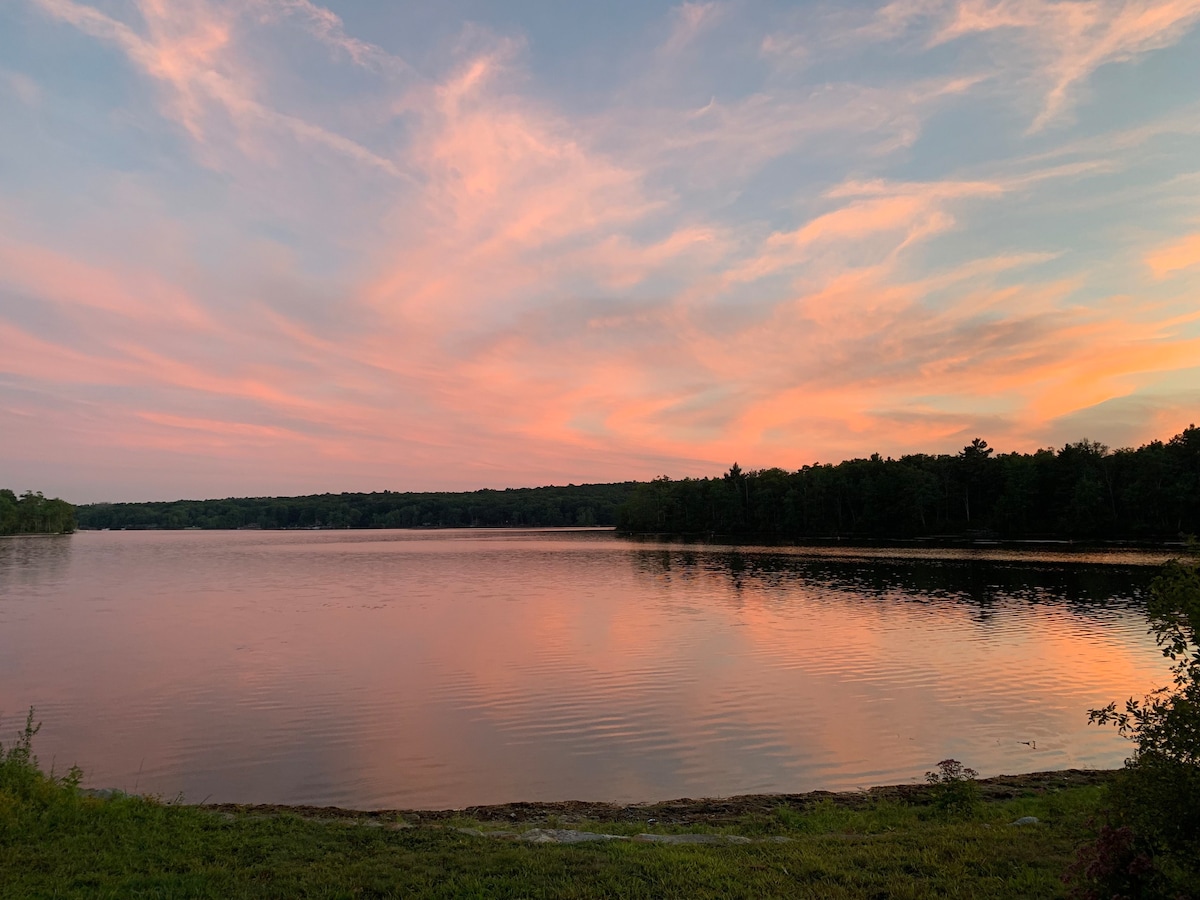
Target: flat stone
[(1025, 820), (479, 832), (566, 836), (693, 839), (105, 793)]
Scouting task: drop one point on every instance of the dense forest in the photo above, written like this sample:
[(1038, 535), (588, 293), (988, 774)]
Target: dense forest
[(587, 504), (34, 514), (1081, 491)]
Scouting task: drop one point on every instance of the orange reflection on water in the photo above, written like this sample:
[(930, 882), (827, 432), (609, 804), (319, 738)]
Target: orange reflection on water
[(452, 668)]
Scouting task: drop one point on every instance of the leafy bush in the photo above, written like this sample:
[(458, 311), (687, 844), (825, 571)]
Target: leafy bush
[(1155, 812), (955, 790)]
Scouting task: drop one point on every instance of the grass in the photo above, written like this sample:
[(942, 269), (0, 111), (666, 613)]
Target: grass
[(56, 842)]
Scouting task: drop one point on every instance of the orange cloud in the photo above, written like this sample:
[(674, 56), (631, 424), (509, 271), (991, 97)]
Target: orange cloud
[(876, 208), (1181, 254)]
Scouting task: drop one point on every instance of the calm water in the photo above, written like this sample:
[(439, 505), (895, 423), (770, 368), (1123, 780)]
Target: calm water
[(447, 668)]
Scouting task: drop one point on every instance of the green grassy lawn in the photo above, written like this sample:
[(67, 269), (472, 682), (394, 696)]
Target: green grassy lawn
[(56, 842)]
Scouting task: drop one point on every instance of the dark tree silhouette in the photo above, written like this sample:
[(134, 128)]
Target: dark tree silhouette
[(1081, 491)]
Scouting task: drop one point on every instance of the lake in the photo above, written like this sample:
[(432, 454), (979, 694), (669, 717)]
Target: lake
[(437, 669)]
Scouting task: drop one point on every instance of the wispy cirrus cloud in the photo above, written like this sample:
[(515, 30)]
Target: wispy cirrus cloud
[(690, 19), (22, 87), (186, 48), (1057, 45)]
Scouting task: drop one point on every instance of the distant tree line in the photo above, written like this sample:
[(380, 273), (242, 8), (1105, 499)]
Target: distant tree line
[(31, 513), (1081, 491), (587, 504)]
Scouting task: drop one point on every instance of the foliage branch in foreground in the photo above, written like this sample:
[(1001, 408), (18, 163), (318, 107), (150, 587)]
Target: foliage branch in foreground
[(1151, 844)]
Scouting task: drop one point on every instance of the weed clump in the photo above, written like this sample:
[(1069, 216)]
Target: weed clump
[(20, 774), (1113, 865)]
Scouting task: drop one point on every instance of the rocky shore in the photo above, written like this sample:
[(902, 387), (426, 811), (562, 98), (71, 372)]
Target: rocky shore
[(685, 811)]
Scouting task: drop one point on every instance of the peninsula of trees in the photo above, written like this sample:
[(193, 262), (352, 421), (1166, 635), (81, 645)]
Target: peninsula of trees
[(1081, 491), (31, 513)]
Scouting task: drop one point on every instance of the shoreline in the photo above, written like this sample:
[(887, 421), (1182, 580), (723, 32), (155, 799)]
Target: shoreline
[(1015, 838), (683, 811), (695, 538), (932, 542), (685, 540)]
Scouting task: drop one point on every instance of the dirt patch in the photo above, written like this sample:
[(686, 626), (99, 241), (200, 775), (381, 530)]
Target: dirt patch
[(685, 811)]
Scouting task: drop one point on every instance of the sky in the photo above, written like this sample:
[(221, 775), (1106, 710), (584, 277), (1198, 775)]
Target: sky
[(268, 247)]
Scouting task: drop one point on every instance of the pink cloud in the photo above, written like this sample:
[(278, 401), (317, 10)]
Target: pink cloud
[(482, 282), (63, 279)]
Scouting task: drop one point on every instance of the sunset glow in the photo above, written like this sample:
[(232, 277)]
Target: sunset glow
[(274, 247)]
